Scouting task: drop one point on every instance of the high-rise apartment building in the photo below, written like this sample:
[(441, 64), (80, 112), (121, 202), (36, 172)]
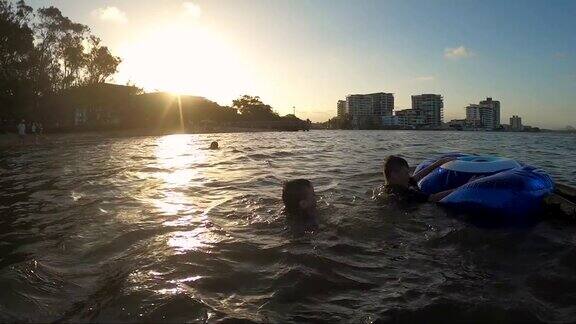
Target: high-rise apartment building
[(516, 123), (485, 115), (430, 107), (474, 117), (368, 109), (479, 116), (341, 107), (494, 105), (382, 103)]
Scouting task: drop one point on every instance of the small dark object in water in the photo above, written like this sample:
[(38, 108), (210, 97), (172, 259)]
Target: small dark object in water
[(214, 145)]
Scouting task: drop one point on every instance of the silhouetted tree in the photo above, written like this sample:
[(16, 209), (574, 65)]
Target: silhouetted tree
[(60, 50), (252, 108), (16, 51), (344, 122), (73, 59), (44, 54), (100, 63)]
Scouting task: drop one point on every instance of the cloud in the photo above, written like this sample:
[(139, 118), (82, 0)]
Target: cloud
[(457, 53), (425, 78), (112, 14), (192, 9)]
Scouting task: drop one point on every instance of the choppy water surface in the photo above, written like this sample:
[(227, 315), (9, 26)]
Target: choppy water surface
[(159, 229)]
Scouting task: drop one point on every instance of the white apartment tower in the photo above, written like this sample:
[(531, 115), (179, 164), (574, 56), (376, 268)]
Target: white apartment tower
[(516, 123), (369, 108), (494, 105), (430, 106), (485, 115)]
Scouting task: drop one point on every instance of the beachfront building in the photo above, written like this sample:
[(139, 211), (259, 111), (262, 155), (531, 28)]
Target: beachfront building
[(367, 110), (494, 106), (479, 117), (473, 115), (430, 107), (388, 121), (410, 118), (360, 109), (516, 123), (341, 108), (382, 103), (457, 124), (484, 115)]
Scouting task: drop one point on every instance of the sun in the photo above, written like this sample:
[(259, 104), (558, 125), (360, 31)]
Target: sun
[(185, 59)]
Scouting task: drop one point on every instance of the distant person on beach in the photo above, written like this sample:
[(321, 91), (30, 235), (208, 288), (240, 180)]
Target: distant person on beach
[(300, 203), (34, 131), (214, 145), (401, 186), (22, 130)]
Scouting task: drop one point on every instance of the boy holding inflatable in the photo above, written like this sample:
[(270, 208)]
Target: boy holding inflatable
[(403, 187)]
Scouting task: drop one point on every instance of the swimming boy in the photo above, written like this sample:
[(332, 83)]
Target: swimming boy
[(400, 185), (300, 202)]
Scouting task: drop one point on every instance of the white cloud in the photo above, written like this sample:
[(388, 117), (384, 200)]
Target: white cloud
[(192, 9), (112, 14), (425, 78), (457, 53)]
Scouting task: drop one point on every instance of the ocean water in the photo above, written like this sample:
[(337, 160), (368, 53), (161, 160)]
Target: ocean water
[(159, 229)]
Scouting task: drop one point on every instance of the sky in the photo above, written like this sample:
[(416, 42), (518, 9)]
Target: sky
[(308, 54)]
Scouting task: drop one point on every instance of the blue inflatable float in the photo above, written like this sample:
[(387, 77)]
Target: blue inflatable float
[(501, 188)]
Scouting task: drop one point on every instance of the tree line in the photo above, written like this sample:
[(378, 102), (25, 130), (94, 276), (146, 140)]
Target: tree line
[(42, 52), (168, 111)]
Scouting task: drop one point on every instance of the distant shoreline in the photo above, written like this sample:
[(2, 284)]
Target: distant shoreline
[(12, 139), (458, 130)]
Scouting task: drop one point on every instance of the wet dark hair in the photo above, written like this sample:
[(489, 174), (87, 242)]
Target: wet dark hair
[(214, 145), (393, 163), (293, 193)]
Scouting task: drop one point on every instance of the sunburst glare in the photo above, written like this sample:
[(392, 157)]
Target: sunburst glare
[(188, 59)]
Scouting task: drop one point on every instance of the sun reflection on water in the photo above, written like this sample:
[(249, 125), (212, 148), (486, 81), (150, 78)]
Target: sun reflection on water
[(177, 157), (179, 152), (180, 158), (189, 241)]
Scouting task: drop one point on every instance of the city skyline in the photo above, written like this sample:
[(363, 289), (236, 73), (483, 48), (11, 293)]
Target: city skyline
[(377, 111), (310, 54)]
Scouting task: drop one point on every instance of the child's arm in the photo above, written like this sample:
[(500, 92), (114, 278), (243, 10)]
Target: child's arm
[(427, 170), (440, 195)]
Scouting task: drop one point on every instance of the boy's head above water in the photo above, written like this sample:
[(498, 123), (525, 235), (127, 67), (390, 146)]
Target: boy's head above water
[(396, 171), (299, 197)]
